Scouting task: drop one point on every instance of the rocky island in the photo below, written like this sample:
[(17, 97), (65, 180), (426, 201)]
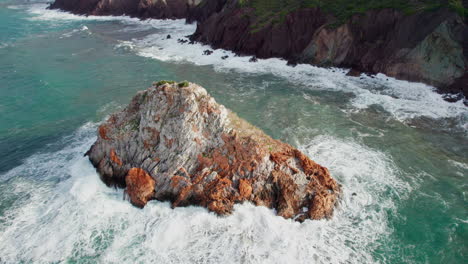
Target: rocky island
[(173, 142)]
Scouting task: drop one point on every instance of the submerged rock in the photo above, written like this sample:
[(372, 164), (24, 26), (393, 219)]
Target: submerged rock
[(174, 143)]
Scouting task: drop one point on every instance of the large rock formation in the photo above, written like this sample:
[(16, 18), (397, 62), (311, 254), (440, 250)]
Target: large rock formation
[(160, 9), (175, 143)]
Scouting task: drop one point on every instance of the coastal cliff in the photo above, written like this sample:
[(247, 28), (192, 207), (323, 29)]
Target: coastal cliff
[(173, 142), (420, 41)]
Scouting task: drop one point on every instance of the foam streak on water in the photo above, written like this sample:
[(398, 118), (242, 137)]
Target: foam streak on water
[(68, 213)]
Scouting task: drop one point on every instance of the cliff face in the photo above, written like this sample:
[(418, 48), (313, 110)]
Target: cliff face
[(160, 9), (233, 29), (175, 143), (429, 47)]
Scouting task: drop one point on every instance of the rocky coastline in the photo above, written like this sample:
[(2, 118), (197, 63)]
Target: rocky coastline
[(170, 9), (173, 142), (426, 46), (429, 47)]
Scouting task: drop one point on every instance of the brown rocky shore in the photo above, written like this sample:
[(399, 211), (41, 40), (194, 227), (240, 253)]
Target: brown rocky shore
[(429, 47), (173, 142), (424, 46)]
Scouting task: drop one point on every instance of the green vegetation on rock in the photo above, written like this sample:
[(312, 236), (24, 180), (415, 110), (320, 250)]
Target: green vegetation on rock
[(163, 82), (183, 84)]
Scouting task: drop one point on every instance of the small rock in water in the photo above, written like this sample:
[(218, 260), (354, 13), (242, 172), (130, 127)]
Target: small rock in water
[(224, 57), (353, 73), (207, 52), (253, 59), (354, 194), (168, 37), (291, 63)]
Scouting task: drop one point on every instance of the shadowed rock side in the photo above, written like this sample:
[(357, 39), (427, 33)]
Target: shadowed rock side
[(160, 9), (174, 143), (429, 47)]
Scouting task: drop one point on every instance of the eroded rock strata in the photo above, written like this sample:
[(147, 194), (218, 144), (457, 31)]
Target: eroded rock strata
[(174, 143)]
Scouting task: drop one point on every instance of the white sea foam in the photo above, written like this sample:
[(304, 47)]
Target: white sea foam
[(67, 213), (16, 7), (84, 29), (41, 13), (4, 45), (460, 168), (460, 165)]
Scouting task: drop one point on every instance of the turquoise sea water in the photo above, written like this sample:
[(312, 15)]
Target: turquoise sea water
[(397, 145)]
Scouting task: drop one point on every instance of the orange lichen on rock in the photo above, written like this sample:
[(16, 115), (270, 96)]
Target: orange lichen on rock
[(103, 132), (218, 196), (115, 158), (140, 186), (322, 205), (245, 189)]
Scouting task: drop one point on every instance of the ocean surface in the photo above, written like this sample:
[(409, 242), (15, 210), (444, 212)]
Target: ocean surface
[(397, 146)]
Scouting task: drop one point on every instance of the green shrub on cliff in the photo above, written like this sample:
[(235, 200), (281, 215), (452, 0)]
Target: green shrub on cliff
[(457, 5)]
